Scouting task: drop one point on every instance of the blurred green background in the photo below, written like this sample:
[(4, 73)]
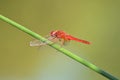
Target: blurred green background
[(94, 20)]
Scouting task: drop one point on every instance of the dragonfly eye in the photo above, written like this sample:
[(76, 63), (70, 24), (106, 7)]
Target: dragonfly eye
[(53, 33)]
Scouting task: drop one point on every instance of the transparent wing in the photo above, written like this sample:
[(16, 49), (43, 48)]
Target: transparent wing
[(37, 43)]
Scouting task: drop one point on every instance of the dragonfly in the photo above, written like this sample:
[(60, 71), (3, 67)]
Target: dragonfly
[(61, 36)]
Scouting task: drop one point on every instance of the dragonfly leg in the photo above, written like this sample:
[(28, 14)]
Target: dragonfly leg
[(64, 42)]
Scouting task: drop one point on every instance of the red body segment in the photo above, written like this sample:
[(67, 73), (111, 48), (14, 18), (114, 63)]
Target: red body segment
[(66, 37)]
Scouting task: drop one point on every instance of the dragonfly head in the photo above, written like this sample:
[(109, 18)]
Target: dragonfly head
[(54, 33)]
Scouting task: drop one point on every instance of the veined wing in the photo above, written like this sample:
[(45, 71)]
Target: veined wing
[(36, 43)]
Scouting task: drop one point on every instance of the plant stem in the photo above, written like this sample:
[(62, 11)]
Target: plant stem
[(57, 47)]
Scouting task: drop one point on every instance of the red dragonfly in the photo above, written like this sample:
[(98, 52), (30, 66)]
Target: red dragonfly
[(61, 36)]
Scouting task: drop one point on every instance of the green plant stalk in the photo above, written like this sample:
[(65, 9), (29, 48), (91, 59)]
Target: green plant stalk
[(57, 47)]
